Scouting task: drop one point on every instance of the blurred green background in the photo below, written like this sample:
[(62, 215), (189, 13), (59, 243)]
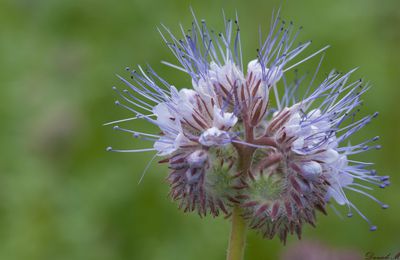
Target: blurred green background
[(63, 197)]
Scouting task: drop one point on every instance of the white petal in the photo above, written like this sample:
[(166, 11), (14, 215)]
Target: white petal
[(254, 67), (340, 199), (214, 136), (298, 144), (328, 156), (164, 121), (161, 110), (187, 95), (181, 140), (169, 144), (345, 179), (164, 146), (311, 169), (223, 120), (222, 74), (341, 162)]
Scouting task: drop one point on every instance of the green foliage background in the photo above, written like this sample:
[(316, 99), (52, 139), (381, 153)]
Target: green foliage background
[(63, 197)]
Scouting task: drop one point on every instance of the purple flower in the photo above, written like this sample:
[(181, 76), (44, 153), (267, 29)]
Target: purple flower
[(244, 138)]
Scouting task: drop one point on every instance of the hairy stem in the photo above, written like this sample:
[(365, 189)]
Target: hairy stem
[(237, 239)]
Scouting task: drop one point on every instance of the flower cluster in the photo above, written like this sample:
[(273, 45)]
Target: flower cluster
[(232, 140)]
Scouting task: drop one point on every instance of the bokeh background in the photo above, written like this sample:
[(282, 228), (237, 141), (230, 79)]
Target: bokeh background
[(63, 197)]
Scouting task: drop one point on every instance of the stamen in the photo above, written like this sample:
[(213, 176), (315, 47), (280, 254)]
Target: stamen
[(136, 134), (384, 206), (146, 168), (110, 149), (371, 227), (174, 66), (125, 120)]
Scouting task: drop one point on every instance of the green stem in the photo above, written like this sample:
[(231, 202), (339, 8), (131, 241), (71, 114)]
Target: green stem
[(237, 239)]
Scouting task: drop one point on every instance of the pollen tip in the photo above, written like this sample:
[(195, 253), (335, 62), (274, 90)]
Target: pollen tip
[(115, 127), (373, 228), (375, 114), (385, 206), (109, 149), (114, 88), (349, 215), (116, 102), (385, 178)]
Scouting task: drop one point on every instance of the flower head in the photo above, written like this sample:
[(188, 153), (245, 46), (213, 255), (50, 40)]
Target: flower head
[(233, 140)]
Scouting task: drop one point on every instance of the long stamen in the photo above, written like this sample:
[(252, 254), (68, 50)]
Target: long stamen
[(110, 149)]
